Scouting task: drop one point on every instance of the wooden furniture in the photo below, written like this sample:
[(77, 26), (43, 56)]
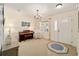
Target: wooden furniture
[(10, 50), (26, 34)]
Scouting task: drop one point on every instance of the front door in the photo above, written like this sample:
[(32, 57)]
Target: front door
[(62, 30), (65, 31)]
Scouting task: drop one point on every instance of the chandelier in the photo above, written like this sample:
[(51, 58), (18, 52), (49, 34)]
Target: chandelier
[(37, 16)]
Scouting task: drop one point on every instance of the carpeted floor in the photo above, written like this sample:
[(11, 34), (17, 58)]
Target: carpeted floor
[(38, 47)]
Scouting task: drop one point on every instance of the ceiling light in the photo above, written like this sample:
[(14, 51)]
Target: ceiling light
[(37, 15), (59, 5)]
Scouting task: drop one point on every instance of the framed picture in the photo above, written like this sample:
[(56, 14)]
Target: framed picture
[(25, 24)]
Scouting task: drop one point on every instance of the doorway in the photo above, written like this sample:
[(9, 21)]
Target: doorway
[(62, 30)]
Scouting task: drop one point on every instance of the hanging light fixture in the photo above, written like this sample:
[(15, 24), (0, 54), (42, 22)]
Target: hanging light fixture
[(37, 16), (59, 5)]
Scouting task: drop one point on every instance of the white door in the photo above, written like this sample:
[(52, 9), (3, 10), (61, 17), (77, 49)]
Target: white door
[(62, 30), (65, 31)]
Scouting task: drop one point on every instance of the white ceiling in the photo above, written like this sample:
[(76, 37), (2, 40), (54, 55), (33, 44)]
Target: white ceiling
[(45, 9)]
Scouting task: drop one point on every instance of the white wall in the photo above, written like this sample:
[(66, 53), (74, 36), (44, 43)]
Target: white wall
[(70, 14), (14, 18)]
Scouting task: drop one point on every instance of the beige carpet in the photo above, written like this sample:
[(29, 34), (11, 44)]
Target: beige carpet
[(38, 47)]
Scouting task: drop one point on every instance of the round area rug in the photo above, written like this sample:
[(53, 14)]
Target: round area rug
[(57, 47)]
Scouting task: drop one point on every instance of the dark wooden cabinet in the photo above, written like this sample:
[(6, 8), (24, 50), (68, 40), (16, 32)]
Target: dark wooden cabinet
[(27, 34)]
